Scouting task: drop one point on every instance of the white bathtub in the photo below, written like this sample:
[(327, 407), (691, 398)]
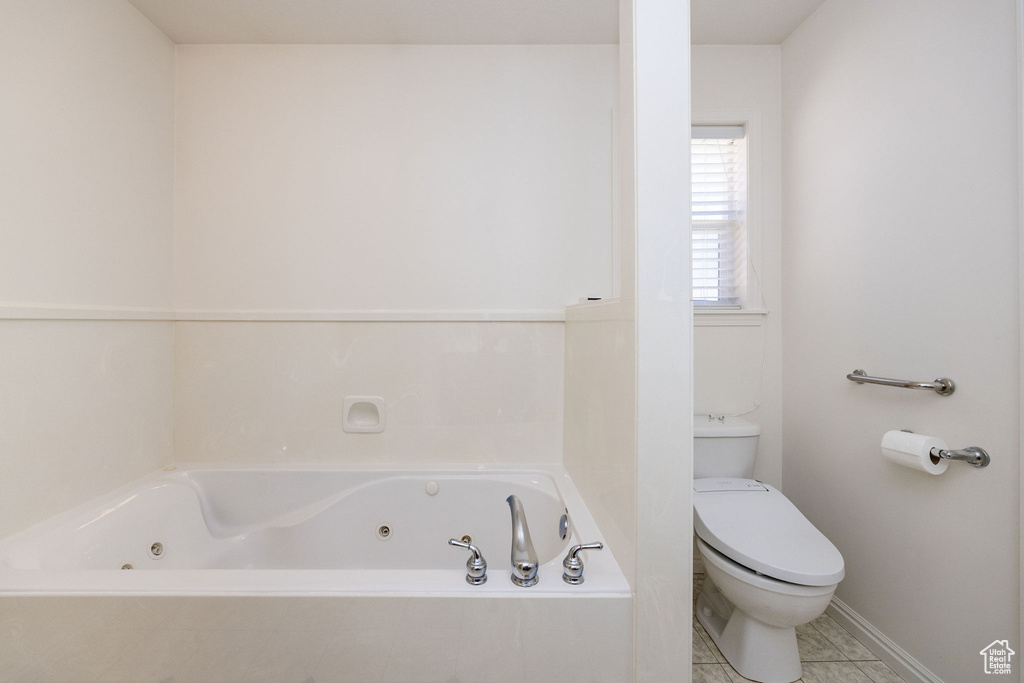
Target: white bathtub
[(278, 574), (267, 530)]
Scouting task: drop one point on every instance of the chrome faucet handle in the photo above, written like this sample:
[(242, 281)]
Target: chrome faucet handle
[(476, 566), (572, 565)]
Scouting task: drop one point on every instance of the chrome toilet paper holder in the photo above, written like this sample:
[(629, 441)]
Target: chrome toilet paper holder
[(972, 455)]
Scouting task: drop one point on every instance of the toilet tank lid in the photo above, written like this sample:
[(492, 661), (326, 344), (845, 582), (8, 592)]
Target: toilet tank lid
[(704, 428)]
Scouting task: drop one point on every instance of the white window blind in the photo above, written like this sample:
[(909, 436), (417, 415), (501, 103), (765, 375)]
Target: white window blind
[(718, 213)]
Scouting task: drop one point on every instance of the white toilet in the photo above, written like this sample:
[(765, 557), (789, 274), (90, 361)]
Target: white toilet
[(768, 570)]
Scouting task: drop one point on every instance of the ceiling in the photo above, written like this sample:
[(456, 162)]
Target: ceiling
[(747, 22), (455, 22), (415, 22)]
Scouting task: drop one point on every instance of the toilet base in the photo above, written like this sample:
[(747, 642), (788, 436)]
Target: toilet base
[(756, 650)]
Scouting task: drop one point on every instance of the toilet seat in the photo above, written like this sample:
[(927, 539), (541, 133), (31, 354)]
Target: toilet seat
[(756, 526)]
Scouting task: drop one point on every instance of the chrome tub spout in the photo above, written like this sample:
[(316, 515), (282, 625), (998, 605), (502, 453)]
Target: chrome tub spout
[(524, 557)]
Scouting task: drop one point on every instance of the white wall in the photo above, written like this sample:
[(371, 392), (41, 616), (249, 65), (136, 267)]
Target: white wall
[(624, 257), (348, 177), (628, 386), (1020, 261), (664, 339), (742, 84), (86, 133), (901, 258), (599, 444), (599, 448)]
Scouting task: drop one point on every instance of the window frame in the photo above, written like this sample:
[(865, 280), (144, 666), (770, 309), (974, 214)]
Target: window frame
[(750, 310)]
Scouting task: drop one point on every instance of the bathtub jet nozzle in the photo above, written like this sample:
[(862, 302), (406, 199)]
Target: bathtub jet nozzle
[(524, 557)]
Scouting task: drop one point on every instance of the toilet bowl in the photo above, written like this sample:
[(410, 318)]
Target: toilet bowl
[(753, 618), (768, 570)]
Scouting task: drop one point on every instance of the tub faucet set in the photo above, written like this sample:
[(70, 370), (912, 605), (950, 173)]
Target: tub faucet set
[(524, 557), (476, 565)]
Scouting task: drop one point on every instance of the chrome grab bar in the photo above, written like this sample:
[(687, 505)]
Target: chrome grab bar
[(941, 386)]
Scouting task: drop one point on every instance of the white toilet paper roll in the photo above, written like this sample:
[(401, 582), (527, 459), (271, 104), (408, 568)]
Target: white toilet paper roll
[(914, 451)]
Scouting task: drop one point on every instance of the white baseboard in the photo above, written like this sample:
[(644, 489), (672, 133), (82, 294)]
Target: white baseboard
[(897, 659)]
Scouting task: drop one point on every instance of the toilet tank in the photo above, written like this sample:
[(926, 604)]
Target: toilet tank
[(724, 448)]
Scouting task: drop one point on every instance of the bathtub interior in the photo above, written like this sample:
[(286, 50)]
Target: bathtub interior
[(365, 520), (387, 529)]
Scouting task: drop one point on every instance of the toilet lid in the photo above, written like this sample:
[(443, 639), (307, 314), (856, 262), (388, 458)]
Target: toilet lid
[(756, 526)]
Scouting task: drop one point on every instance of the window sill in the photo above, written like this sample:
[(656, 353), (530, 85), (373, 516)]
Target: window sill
[(725, 317)]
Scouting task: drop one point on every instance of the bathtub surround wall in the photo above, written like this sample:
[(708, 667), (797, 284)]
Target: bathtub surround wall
[(406, 196), (599, 445), (86, 407), (86, 194), (599, 448), (901, 258), (456, 392), (742, 84)]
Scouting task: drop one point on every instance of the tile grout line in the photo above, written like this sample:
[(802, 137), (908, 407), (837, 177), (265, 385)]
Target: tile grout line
[(711, 645), (838, 649)]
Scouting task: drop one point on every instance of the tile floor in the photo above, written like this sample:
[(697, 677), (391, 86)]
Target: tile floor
[(828, 653)]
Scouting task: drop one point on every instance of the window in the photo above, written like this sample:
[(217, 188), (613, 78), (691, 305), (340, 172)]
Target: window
[(718, 215)]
